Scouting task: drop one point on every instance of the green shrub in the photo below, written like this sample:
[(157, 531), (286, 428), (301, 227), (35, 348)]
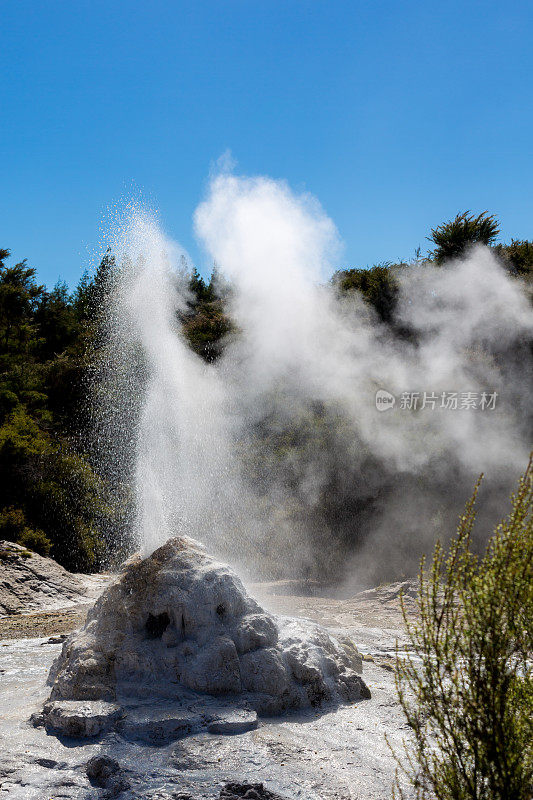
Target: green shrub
[(377, 285), (12, 523), (454, 237), (466, 689), (14, 527), (517, 257), (35, 540), (206, 328)]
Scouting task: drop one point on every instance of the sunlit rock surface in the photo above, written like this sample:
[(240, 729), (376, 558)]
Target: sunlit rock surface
[(338, 755), (179, 626), (32, 582)]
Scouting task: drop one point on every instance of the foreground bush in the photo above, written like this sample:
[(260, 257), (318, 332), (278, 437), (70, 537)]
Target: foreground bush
[(467, 688)]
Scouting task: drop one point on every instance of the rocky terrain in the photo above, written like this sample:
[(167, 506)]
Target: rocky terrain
[(334, 751), (29, 581), (179, 625)]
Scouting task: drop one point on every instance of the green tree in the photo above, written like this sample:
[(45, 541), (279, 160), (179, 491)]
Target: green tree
[(453, 238), (19, 297), (51, 498), (14, 528), (56, 321), (466, 689), (200, 290), (517, 257), (91, 293), (205, 324), (377, 285)]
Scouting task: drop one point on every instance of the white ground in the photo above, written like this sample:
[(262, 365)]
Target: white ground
[(339, 754)]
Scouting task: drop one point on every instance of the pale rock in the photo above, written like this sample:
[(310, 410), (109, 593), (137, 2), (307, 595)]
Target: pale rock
[(215, 669), (80, 719), (31, 582), (256, 630), (178, 623), (264, 671), (159, 725)]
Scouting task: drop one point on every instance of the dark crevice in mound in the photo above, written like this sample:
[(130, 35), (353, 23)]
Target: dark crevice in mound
[(157, 625)]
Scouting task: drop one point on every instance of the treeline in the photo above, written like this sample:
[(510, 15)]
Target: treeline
[(379, 284), (53, 497)]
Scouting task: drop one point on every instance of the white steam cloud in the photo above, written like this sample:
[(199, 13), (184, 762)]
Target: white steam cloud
[(276, 455)]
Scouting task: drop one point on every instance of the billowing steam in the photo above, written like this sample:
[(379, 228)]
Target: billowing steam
[(276, 455)]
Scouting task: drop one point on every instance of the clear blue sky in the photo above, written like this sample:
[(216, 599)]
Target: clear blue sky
[(394, 114)]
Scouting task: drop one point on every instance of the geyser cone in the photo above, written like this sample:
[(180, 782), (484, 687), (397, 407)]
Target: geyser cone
[(179, 623)]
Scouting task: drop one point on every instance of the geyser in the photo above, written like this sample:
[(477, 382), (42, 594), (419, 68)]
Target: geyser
[(275, 456), (180, 628), (160, 405)]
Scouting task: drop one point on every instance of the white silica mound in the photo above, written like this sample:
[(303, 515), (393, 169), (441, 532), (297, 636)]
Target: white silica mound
[(179, 626)]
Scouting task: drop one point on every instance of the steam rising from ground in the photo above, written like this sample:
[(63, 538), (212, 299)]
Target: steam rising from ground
[(276, 456)]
